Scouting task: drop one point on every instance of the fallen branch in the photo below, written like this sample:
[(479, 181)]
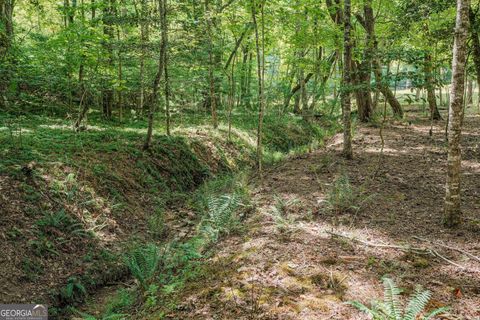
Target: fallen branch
[(408, 248), (474, 257), (379, 245), (435, 253)]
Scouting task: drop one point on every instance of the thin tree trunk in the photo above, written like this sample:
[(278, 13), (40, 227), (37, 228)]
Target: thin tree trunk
[(108, 94), (470, 92), (260, 73), (165, 66), (231, 102), (476, 48), (346, 83), (153, 99), (455, 115), (120, 77), (211, 75), (237, 45), (143, 40)]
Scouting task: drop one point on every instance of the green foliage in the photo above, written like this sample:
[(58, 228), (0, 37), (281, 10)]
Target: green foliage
[(391, 307), (144, 263), (222, 215), (156, 224), (120, 302), (43, 246), (62, 222), (73, 291), (32, 269), (284, 134), (279, 212), (343, 197), (222, 203)]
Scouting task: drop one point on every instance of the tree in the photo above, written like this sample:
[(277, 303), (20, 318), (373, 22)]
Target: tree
[(430, 85), (346, 83), (455, 117), (260, 75), (475, 45), (6, 37), (152, 101)]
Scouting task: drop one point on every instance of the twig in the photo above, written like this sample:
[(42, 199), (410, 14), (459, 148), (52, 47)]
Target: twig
[(427, 251), (379, 245), (435, 253), (474, 257)]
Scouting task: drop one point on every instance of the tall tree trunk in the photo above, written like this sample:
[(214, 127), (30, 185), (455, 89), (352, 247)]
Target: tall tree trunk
[(211, 65), (108, 93), (153, 99), (346, 83), (6, 38), (455, 117), (243, 75), (143, 41), (120, 75), (429, 81), (165, 65), (231, 100), (361, 81), (260, 76), (369, 25), (476, 47), (470, 92)]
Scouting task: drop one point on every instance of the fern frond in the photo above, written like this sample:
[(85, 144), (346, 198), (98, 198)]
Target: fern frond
[(391, 298), (435, 312), (417, 304), (363, 308), (143, 263)]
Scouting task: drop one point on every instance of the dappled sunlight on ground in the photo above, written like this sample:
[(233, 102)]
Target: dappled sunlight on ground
[(303, 259)]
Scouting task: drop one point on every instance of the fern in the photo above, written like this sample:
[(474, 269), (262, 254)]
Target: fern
[(391, 298), (391, 308), (279, 213), (143, 264), (221, 217), (417, 304)]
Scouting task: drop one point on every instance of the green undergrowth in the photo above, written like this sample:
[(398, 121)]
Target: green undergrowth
[(94, 197), (163, 270)]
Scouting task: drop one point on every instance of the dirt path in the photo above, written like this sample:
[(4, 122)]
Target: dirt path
[(293, 268)]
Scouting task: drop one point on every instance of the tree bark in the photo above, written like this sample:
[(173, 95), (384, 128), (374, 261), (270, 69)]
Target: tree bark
[(369, 25), (470, 92), (455, 118), (143, 40), (475, 46), (108, 93), (361, 79), (6, 38), (165, 66), (211, 76), (152, 100), (346, 83), (260, 76), (429, 81), (237, 45)]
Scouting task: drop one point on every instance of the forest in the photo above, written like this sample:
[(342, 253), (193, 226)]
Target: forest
[(240, 159)]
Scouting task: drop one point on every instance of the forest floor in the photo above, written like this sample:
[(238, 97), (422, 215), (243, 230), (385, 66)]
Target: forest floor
[(290, 265)]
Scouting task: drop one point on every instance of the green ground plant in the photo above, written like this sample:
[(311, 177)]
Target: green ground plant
[(343, 197), (391, 308)]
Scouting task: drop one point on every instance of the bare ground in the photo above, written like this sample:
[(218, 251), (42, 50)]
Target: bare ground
[(295, 268)]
